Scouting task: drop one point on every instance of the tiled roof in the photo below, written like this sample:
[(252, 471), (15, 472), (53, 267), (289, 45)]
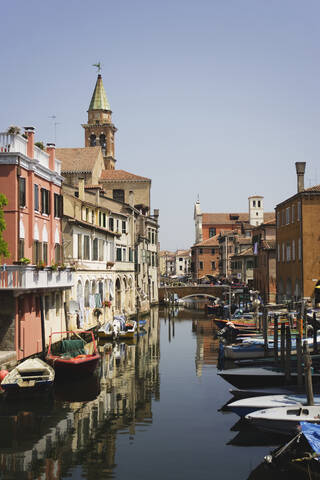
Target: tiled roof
[(210, 242), (77, 159), (246, 253), (121, 175), (315, 188), (230, 218), (99, 99)]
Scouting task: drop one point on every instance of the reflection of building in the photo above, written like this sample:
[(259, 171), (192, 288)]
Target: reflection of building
[(207, 346), (84, 434)]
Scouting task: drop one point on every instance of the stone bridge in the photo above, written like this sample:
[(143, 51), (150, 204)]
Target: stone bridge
[(182, 292)]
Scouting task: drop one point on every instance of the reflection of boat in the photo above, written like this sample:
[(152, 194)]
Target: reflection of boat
[(31, 376), (255, 392), (260, 377), (248, 405), (69, 356), (78, 390), (251, 437), (284, 420)]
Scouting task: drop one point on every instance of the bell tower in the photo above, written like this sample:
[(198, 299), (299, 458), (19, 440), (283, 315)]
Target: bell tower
[(99, 131)]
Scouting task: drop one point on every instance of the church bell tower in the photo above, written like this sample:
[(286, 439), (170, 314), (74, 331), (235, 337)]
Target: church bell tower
[(99, 131)]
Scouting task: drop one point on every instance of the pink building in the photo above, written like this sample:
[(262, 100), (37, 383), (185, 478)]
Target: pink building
[(31, 180)]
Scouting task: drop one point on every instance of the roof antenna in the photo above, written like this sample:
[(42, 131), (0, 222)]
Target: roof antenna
[(198, 198), (53, 117)]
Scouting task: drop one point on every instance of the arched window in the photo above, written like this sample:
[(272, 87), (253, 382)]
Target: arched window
[(86, 293), (79, 292), (93, 140), (102, 140)]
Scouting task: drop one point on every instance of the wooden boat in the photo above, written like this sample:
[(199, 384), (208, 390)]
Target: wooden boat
[(248, 405), (284, 420), (30, 376), (119, 329), (69, 357), (106, 331), (129, 330), (260, 377)]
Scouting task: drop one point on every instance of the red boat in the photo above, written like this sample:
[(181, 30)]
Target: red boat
[(69, 356)]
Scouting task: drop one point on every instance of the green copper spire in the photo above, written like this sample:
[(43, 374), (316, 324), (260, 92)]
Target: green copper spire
[(99, 99)]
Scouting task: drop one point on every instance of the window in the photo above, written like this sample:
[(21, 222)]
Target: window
[(58, 206), (259, 203), (93, 140), (100, 219), (130, 255), (287, 215), (288, 251), (213, 251), (36, 197), (253, 203), (22, 192), (201, 265), (111, 224), (87, 214), (118, 195), (213, 265), (292, 214), (124, 227), (124, 255), (118, 257), (212, 232), (250, 264), (278, 219), (200, 251), (101, 250), (278, 252), (21, 248), (299, 249), (293, 250), (36, 252), (79, 246), (299, 212), (45, 252), (104, 220), (57, 253), (153, 237), (45, 201), (86, 247), (283, 258), (95, 249), (153, 264)]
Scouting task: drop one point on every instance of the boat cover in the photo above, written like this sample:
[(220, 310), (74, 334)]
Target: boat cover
[(312, 433)]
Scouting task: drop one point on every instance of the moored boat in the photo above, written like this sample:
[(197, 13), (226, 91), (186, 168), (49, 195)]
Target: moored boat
[(284, 420), (70, 357), (30, 376), (248, 405)]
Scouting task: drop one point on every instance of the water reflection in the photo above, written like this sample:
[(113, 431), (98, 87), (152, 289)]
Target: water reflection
[(80, 424)]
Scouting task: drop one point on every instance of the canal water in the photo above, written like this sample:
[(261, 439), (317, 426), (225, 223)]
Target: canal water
[(153, 411)]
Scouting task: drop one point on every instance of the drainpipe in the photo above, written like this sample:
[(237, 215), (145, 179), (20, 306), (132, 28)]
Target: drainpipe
[(43, 333)]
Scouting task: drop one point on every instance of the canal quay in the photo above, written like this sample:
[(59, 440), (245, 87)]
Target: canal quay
[(153, 410)]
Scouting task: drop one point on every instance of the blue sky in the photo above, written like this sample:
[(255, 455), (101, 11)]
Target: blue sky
[(216, 97)]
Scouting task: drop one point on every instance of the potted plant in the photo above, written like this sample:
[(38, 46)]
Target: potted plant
[(62, 266), (107, 303), (22, 261), (54, 267), (41, 265), (110, 264)]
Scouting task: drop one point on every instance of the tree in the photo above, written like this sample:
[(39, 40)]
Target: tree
[(4, 251)]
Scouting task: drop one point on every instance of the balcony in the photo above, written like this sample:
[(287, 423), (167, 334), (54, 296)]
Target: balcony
[(12, 143), (25, 277)]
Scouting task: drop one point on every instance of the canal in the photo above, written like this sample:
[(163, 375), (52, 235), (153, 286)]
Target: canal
[(151, 412)]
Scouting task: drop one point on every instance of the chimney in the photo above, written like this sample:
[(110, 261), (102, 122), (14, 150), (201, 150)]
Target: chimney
[(300, 169), (156, 213), (51, 150), (29, 131), (131, 198), (81, 188)]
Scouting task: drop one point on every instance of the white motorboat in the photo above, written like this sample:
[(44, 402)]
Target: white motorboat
[(248, 405), (284, 420)]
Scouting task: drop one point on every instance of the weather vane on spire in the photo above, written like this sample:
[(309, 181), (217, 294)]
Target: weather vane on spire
[(98, 65)]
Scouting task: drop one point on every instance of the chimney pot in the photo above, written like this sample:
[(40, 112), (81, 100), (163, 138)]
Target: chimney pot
[(30, 138)]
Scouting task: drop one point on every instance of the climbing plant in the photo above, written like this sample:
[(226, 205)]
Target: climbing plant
[(4, 251)]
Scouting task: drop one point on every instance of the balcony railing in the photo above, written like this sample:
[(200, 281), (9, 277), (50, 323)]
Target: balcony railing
[(12, 143), (20, 277)]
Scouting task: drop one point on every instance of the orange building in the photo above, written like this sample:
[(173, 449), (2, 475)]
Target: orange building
[(264, 249), (298, 242), (205, 258)]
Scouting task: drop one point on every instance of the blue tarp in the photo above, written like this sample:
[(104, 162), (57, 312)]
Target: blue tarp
[(312, 433)]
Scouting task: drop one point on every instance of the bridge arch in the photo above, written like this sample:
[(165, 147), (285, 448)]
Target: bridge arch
[(201, 295)]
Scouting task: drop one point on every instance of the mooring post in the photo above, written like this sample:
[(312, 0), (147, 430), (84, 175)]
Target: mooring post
[(265, 329), (288, 354), (308, 373), (314, 324), (282, 344), (276, 339), (299, 360)]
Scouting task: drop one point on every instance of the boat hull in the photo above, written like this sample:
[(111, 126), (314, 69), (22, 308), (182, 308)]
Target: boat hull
[(74, 367)]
